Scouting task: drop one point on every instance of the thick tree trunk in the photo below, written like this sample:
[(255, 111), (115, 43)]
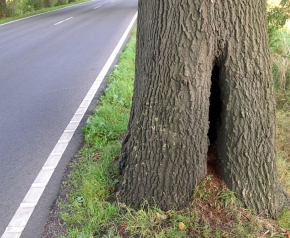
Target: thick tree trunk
[(3, 9), (179, 43), (246, 143)]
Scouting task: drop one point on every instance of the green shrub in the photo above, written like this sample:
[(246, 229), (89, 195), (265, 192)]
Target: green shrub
[(31, 5), (14, 8)]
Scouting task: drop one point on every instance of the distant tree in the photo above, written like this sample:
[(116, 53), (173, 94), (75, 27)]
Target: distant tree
[(186, 50), (3, 9), (47, 3)]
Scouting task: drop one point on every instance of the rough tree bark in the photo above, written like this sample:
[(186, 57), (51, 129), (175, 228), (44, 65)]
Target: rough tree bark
[(179, 43)]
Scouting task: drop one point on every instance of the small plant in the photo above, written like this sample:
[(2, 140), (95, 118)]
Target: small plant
[(200, 192)]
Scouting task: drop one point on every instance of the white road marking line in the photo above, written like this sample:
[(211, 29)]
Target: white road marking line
[(26, 208), (63, 21), (97, 7)]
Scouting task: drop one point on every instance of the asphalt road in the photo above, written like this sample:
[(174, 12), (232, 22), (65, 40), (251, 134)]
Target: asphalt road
[(47, 65)]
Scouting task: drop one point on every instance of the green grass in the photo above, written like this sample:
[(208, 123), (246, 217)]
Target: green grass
[(43, 10), (90, 210), (94, 176)]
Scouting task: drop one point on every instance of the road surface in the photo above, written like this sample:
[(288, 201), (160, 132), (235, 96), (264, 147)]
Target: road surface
[(47, 65)]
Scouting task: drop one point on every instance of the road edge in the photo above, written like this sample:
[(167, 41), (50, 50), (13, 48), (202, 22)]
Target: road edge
[(26, 208)]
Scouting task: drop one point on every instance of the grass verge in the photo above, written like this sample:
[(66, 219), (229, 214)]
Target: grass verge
[(43, 10), (88, 210)]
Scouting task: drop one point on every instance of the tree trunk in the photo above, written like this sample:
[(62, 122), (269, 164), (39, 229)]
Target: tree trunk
[(3, 9), (47, 3), (179, 44)]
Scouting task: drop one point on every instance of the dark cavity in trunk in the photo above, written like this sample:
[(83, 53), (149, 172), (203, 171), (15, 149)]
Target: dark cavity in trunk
[(215, 106)]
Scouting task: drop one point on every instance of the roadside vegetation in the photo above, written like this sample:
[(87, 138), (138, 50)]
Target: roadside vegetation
[(91, 208), (15, 9)]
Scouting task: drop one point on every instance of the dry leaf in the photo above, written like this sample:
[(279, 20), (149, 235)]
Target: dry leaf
[(158, 216), (181, 226)]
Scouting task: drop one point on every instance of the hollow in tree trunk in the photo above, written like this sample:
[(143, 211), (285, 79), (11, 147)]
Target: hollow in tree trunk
[(180, 44)]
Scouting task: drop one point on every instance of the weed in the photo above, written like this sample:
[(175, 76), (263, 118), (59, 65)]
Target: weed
[(227, 197)]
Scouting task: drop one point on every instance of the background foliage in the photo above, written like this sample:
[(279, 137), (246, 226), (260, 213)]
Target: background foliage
[(279, 38), (12, 8)]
